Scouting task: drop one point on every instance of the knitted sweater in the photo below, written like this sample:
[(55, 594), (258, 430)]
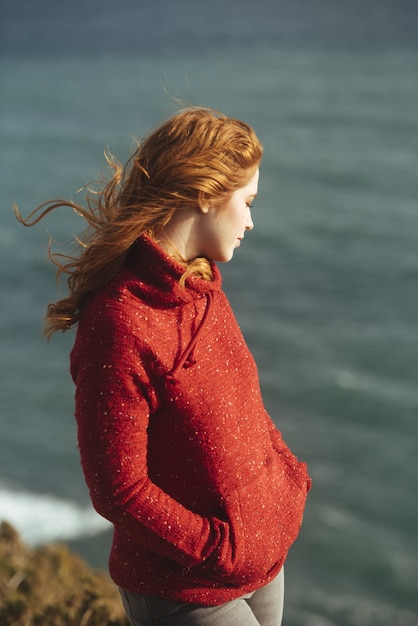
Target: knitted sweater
[(177, 448)]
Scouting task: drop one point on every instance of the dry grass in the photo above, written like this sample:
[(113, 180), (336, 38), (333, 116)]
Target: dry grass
[(49, 586)]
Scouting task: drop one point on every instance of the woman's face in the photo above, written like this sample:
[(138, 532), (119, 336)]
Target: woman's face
[(223, 224)]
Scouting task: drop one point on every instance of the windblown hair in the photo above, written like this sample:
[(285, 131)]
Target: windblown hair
[(197, 155)]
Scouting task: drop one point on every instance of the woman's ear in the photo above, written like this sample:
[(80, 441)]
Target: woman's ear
[(204, 203)]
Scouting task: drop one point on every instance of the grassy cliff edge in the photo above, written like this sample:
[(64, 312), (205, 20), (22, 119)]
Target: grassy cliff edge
[(50, 586)]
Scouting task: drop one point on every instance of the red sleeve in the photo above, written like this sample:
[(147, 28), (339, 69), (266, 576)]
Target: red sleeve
[(114, 400)]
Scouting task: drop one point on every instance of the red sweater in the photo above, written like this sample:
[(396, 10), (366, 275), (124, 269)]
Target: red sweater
[(177, 448)]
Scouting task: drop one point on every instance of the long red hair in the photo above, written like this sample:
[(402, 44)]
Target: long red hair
[(199, 154)]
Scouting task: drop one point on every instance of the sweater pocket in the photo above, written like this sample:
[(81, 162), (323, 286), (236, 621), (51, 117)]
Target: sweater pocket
[(270, 515)]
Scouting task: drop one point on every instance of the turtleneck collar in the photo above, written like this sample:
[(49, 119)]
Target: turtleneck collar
[(158, 275), (156, 281)]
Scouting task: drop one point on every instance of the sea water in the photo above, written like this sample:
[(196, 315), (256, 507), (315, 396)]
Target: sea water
[(325, 288)]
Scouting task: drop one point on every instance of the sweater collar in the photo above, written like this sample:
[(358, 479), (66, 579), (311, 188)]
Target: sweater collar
[(159, 274), (157, 278)]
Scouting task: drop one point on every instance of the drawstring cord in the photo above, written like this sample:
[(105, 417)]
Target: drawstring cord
[(187, 358)]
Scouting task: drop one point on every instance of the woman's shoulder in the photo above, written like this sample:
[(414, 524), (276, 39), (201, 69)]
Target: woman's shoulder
[(115, 305)]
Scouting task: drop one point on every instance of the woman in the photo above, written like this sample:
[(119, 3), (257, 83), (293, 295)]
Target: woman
[(177, 448)]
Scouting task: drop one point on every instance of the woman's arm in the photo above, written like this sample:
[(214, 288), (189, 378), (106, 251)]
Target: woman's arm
[(114, 400)]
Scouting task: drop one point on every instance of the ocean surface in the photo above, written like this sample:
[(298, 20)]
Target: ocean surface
[(325, 287)]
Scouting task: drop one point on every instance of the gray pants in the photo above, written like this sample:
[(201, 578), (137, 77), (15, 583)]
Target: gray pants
[(263, 607)]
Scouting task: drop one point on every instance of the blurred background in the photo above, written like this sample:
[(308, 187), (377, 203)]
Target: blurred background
[(325, 288)]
